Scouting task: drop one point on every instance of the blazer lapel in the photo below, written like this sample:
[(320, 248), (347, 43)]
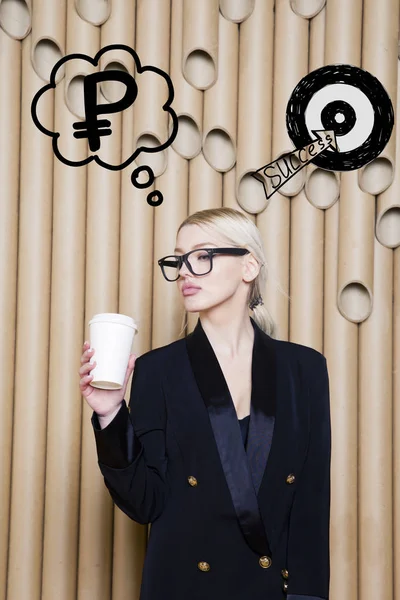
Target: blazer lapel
[(243, 468)]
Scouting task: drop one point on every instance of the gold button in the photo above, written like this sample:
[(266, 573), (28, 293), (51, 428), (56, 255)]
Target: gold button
[(285, 586), (265, 562), (290, 478), (192, 480), (285, 573), (203, 566)]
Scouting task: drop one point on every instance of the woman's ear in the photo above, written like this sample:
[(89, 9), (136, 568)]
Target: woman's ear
[(251, 268)]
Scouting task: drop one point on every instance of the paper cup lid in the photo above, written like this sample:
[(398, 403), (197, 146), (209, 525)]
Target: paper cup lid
[(113, 318)]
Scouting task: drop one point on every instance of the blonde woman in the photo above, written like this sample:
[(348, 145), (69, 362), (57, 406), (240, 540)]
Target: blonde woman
[(226, 446)]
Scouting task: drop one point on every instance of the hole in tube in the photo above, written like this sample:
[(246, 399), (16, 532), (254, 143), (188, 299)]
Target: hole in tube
[(377, 175), (45, 56), (236, 10), (388, 228), (251, 194), (199, 69), (15, 18), (93, 11), (322, 188), (75, 98), (157, 161), (355, 302), (307, 8), (218, 150), (113, 90), (286, 168), (188, 141)]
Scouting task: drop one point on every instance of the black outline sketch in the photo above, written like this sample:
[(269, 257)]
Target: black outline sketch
[(373, 90), (94, 61), (260, 174)]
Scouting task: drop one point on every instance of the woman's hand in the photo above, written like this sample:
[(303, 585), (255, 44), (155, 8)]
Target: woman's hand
[(106, 403)]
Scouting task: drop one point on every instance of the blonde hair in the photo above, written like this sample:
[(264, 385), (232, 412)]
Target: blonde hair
[(240, 232)]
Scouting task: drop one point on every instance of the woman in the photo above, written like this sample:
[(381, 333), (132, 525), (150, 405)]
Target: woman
[(226, 446)]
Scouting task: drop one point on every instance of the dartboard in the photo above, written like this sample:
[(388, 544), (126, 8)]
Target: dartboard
[(349, 101)]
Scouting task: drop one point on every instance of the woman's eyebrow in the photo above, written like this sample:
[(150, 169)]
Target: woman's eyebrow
[(201, 245)]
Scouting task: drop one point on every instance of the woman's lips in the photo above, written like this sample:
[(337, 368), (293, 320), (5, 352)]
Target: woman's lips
[(189, 291)]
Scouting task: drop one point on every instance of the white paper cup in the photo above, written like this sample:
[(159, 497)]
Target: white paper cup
[(111, 336)]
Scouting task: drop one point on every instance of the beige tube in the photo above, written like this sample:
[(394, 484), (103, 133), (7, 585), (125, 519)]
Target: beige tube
[(219, 137), (229, 193), (306, 272), (102, 257), (321, 187), (255, 105), (343, 36), (274, 226), (290, 65), (48, 37), (10, 69), (60, 547), (82, 38), (16, 18), (205, 191), (388, 203), (376, 437), (307, 8), (379, 57), (33, 319), (200, 43), (95, 12), (396, 417), (188, 101), (151, 123), (236, 10), (341, 349), (168, 307), (119, 28), (135, 268), (356, 234)]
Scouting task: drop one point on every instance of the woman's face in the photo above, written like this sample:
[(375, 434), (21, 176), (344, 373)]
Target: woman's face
[(218, 286)]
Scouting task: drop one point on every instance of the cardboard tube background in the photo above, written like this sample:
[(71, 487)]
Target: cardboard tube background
[(236, 10), (321, 187), (200, 43), (307, 8), (290, 65), (16, 17), (254, 105), (151, 123), (188, 103), (48, 37), (95, 12), (375, 528), (78, 240), (32, 339), (60, 544), (10, 106), (379, 57), (219, 124)]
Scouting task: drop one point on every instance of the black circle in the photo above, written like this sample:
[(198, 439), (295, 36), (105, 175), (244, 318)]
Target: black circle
[(155, 194), (377, 96), (332, 110), (135, 176)]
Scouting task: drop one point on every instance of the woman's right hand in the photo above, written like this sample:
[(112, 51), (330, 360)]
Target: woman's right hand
[(105, 403)]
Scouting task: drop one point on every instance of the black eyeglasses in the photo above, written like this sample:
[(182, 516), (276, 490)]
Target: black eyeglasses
[(201, 261)]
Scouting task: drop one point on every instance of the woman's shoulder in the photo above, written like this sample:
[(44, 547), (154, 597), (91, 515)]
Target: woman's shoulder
[(161, 354), (307, 355)]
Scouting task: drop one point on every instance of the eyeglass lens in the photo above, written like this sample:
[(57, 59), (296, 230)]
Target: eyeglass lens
[(199, 260)]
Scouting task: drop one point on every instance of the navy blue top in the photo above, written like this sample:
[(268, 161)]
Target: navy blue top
[(244, 427)]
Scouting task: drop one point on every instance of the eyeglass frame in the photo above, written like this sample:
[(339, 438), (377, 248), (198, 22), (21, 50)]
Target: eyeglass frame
[(183, 258)]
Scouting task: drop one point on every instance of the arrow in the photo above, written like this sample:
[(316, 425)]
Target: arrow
[(282, 169)]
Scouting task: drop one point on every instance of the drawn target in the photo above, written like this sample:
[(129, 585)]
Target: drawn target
[(349, 101)]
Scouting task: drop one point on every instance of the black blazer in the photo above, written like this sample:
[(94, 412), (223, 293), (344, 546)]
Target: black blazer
[(228, 522)]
